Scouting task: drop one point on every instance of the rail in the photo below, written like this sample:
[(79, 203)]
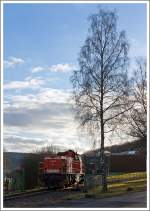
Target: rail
[(25, 193)]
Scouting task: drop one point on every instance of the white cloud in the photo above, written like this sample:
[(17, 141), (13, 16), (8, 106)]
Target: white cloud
[(17, 142), (46, 117), (30, 83), (43, 97), (37, 69), (63, 68), (13, 61), (54, 95), (20, 139)]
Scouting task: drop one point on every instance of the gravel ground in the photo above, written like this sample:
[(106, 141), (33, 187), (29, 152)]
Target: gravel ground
[(47, 199), (53, 199), (130, 200)]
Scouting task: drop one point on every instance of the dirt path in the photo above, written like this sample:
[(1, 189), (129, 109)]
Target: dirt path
[(130, 200), (54, 199), (48, 199)]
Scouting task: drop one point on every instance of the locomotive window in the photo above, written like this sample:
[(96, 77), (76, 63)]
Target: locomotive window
[(76, 157)]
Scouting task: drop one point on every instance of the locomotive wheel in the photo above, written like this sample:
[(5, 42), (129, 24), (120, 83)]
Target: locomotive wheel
[(71, 179)]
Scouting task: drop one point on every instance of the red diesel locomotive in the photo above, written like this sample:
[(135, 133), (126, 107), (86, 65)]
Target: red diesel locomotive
[(61, 170)]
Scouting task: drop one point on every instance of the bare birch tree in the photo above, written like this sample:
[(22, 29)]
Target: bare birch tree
[(137, 116), (101, 83)]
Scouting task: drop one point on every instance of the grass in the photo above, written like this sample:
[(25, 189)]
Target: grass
[(121, 183), (115, 189), (120, 188), (126, 176)]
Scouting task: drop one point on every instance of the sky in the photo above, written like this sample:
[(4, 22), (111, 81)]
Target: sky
[(41, 49)]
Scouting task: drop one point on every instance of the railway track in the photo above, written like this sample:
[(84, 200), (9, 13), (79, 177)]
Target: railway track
[(37, 192), (25, 194), (38, 199)]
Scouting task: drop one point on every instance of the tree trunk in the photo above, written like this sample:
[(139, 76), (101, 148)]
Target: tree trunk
[(103, 160), (102, 155)]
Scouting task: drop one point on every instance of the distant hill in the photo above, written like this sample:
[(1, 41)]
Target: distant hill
[(138, 146), (127, 157), (12, 160)]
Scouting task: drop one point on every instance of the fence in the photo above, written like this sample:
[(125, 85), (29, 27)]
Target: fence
[(91, 181), (126, 177)]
